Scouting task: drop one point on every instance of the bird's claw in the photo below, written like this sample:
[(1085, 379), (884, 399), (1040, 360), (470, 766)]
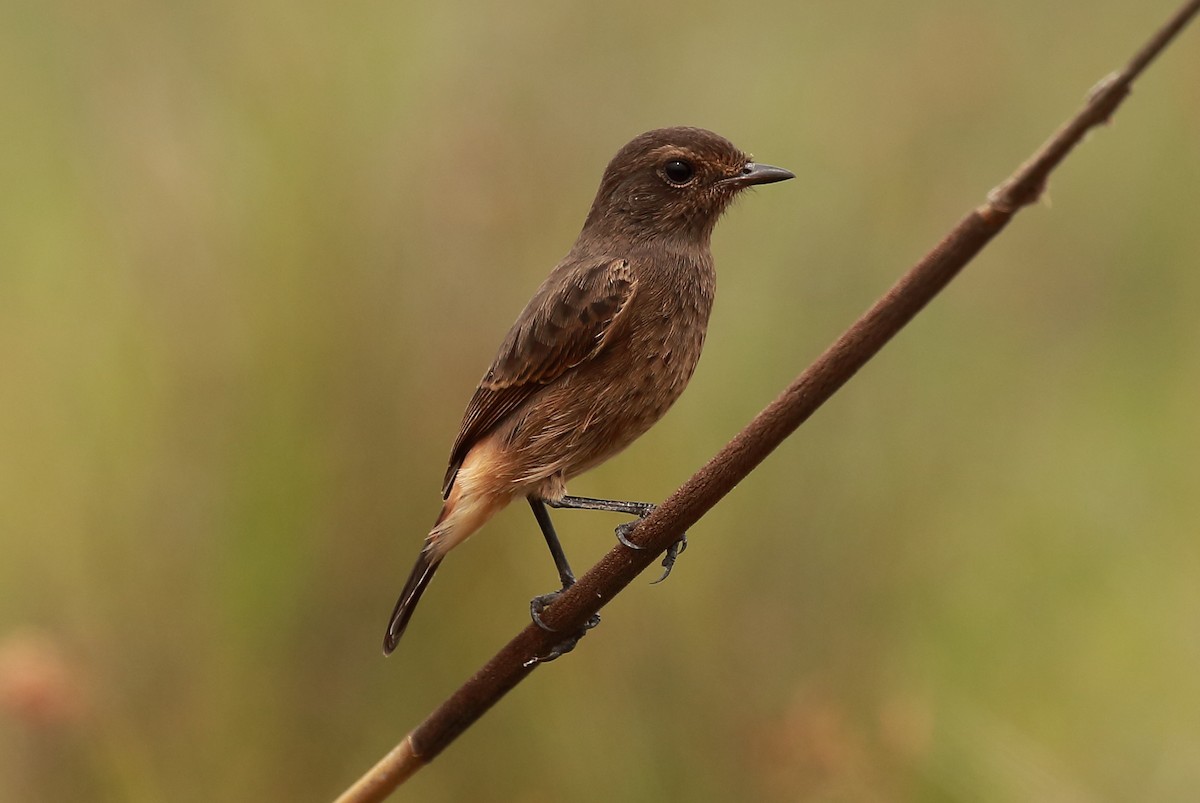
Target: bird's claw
[(673, 551), (625, 530), (668, 562), (539, 604)]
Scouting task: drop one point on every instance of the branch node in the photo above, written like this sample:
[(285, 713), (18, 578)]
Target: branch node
[(1109, 92), (995, 212)]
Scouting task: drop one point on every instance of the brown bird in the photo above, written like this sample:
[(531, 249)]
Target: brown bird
[(604, 347)]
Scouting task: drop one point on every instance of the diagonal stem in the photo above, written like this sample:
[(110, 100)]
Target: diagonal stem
[(741, 455)]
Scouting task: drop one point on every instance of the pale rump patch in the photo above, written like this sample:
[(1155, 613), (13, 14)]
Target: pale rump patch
[(477, 495)]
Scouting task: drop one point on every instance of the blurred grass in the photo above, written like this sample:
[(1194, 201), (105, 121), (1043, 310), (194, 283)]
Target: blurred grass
[(254, 257)]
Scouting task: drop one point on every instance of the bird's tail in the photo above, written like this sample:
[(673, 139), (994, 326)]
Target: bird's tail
[(418, 579), (465, 511)]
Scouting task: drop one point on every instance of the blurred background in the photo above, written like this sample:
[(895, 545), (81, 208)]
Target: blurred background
[(254, 258)]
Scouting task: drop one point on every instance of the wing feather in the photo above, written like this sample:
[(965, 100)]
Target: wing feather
[(569, 320)]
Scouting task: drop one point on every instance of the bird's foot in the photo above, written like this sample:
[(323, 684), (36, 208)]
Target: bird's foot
[(673, 551), (625, 530), (537, 606), (668, 562)]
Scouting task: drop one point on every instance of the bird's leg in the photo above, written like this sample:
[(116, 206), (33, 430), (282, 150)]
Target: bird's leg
[(565, 576), (639, 509)]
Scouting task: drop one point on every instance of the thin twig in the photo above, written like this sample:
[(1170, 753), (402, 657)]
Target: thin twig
[(741, 455)]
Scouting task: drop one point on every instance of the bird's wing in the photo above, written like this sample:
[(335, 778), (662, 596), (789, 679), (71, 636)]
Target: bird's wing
[(570, 319)]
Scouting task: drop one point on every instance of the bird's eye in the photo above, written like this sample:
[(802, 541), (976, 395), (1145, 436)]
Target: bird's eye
[(679, 172)]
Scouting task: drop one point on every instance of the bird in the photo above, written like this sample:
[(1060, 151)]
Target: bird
[(604, 347)]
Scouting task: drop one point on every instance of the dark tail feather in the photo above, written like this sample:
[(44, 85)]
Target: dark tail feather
[(422, 573)]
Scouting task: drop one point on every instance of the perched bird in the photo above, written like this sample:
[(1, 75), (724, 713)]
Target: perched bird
[(604, 347)]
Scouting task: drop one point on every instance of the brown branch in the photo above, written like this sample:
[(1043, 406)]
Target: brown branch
[(741, 455)]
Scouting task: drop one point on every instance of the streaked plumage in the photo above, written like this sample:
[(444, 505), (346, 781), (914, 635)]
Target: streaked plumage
[(604, 347)]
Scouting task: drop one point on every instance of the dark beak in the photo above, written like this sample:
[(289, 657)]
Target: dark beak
[(755, 173)]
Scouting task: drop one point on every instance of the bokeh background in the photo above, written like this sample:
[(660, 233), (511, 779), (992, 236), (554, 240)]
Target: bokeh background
[(255, 256)]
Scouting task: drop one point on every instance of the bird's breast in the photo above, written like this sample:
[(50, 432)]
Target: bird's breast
[(637, 380), (602, 405)]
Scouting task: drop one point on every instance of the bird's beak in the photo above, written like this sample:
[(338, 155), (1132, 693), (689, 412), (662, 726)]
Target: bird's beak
[(755, 173)]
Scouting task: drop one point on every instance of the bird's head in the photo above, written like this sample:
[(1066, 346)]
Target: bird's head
[(673, 183)]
